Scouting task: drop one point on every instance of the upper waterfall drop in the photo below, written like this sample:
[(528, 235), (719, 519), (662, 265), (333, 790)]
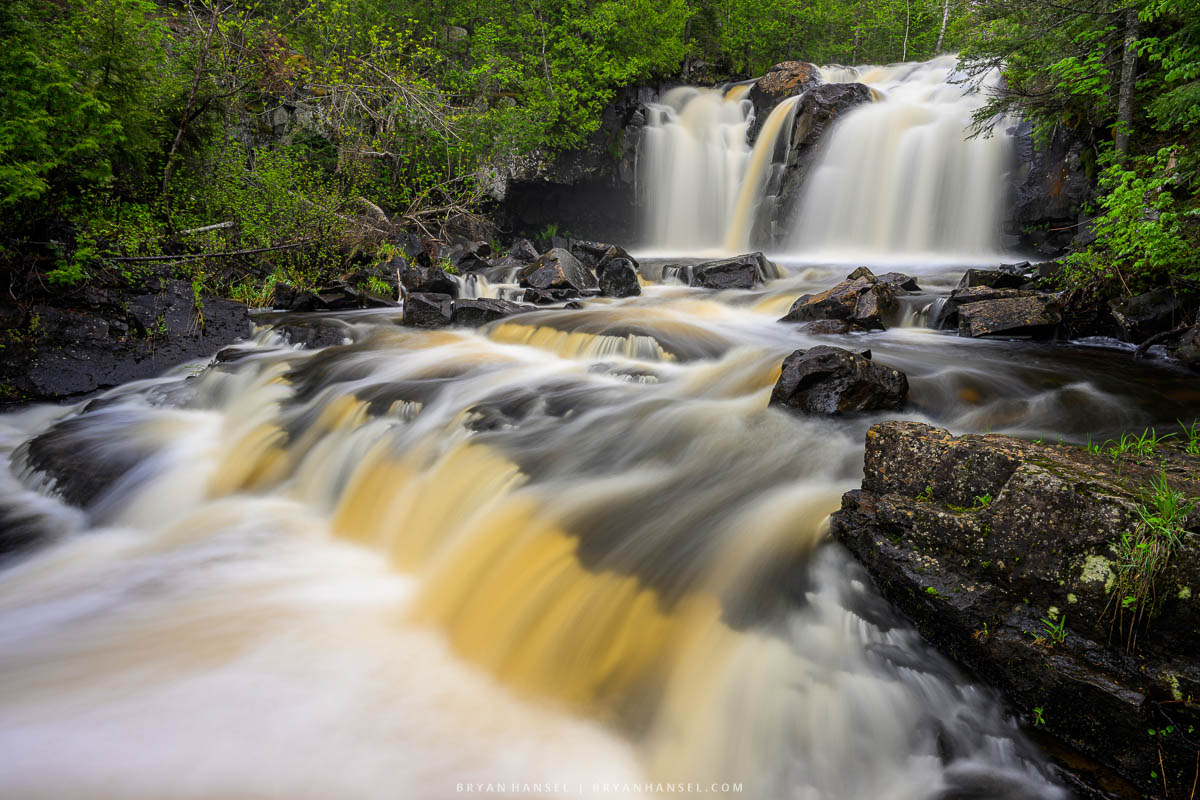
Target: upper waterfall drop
[(901, 179), (898, 179)]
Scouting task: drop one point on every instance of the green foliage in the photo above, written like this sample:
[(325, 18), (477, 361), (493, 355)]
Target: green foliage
[(1039, 719), (1056, 630), (983, 500)]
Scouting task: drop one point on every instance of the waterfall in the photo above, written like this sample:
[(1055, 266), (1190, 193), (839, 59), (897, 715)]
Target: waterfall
[(899, 179), (758, 175)]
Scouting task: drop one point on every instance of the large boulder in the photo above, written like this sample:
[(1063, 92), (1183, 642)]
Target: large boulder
[(428, 310), (619, 278), (816, 113), (1014, 276), (557, 269), (1144, 315), (1005, 554), (833, 381), (1036, 316), (523, 250), (946, 316), (740, 272), (474, 313), (861, 299), (779, 83)]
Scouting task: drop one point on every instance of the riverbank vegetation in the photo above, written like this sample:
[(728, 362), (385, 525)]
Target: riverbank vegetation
[(240, 143)]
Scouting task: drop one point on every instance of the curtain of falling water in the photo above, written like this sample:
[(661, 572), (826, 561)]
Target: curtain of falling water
[(751, 194), (691, 164), (899, 178)]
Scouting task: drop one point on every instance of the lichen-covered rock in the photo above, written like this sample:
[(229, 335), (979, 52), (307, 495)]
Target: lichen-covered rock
[(979, 538), (833, 381), (1037, 316), (781, 82)]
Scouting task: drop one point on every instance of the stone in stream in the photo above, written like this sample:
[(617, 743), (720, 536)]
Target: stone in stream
[(1011, 276), (780, 82), (619, 278), (557, 269), (1037, 316), (978, 539), (428, 310), (474, 313), (740, 272), (1187, 350), (947, 318), (833, 381), (899, 282), (523, 250), (861, 300)]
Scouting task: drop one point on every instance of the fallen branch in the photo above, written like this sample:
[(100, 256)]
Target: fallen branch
[(1142, 348), (222, 254)]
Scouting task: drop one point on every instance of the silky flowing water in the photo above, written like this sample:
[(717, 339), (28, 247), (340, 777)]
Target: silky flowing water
[(573, 553)]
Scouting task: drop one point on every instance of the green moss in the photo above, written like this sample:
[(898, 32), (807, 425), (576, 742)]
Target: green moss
[(1098, 569)]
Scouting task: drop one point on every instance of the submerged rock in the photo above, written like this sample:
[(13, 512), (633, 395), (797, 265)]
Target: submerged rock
[(861, 300), (978, 539), (474, 313), (833, 381)]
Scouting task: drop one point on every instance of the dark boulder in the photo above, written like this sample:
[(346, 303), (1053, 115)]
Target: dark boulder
[(558, 270), (740, 272), (590, 254), (1037, 316), (619, 278), (993, 279), (816, 113), (426, 279), (428, 310), (289, 298), (474, 313), (978, 539), (833, 381), (546, 297), (523, 250), (947, 315), (313, 333), (824, 327), (1187, 349), (1145, 315), (341, 297), (779, 83), (861, 299)]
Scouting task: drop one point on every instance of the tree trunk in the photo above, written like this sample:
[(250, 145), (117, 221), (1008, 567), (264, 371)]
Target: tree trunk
[(1125, 96), (907, 21), (937, 48), (185, 117), (687, 48)]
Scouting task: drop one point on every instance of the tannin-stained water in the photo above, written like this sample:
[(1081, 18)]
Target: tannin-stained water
[(573, 550)]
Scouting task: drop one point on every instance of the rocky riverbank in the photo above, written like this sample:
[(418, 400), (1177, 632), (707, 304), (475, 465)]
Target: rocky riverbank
[(1016, 559)]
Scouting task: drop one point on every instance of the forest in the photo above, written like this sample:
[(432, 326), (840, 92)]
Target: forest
[(277, 131)]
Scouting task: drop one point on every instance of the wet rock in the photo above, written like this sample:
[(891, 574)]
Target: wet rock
[(779, 83), (428, 310), (289, 298), (833, 381), (545, 297), (740, 272), (947, 318), (590, 254), (823, 327), (1145, 315), (619, 278), (1187, 350), (558, 270), (816, 112), (423, 278), (979, 538), (993, 278), (899, 281), (315, 332), (523, 250), (861, 299), (1036, 316), (1051, 185), (474, 313)]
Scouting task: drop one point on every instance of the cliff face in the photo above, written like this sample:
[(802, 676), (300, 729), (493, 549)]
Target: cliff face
[(1014, 558)]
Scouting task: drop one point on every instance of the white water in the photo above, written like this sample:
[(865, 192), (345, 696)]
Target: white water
[(899, 179), (895, 181)]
